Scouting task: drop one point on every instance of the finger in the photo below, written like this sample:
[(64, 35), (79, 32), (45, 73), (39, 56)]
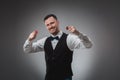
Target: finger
[(36, 32), (33, 34), (68, 27)]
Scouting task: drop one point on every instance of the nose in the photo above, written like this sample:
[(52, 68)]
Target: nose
[(50, 26)]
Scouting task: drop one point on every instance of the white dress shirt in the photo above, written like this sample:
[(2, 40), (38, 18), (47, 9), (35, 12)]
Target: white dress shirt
[(73, 42)]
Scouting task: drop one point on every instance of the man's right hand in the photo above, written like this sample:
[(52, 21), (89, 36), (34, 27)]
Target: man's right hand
[(32, 35)]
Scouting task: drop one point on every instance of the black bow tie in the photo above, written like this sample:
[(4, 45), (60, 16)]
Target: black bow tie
[(52, 38)]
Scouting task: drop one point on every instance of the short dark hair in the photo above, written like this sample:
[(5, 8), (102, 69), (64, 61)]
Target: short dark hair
[(50, 15)]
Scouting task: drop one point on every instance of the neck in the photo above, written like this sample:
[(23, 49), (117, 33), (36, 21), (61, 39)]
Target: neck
[(56, 33)]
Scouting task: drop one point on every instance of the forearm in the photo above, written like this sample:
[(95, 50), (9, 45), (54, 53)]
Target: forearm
[(27, 47), (85, 40), (30, 47)]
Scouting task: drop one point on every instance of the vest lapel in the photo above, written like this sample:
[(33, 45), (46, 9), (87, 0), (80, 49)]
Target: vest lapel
[(59, 43), (50, 45)]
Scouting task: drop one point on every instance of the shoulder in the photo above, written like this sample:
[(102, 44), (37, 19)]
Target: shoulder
[(72, 36), (42, 40)]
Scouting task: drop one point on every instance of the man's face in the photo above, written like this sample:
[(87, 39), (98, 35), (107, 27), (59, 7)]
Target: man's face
[(52, 25)]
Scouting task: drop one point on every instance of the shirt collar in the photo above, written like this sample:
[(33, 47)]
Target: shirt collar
[(59, 34)]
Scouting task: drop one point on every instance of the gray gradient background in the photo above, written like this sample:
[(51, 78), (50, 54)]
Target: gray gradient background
[(100, 20)]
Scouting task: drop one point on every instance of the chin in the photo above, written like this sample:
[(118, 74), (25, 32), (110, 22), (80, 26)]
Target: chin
[(54, 33)]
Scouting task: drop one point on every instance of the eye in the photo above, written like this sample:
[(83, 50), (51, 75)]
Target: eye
[(52, 22), (47, 24)]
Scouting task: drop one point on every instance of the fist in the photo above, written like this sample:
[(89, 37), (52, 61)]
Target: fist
[(73, 30), (32, 35)]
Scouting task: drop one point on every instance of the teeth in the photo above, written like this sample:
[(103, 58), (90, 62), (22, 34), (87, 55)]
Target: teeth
[(52, 29)]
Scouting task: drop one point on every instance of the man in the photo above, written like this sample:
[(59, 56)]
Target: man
[(58, 48)]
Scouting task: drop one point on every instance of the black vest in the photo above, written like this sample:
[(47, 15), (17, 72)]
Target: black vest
[(58, 60)]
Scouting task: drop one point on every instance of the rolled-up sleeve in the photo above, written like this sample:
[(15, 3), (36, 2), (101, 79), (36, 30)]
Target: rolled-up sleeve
[(78, 41), (32, 47)]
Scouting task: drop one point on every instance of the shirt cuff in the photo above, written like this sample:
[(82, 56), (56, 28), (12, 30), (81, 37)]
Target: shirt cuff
[(28, 42)]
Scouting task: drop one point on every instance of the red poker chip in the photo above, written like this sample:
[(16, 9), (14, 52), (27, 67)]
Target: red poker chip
[(66, 27), (36, 31)]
